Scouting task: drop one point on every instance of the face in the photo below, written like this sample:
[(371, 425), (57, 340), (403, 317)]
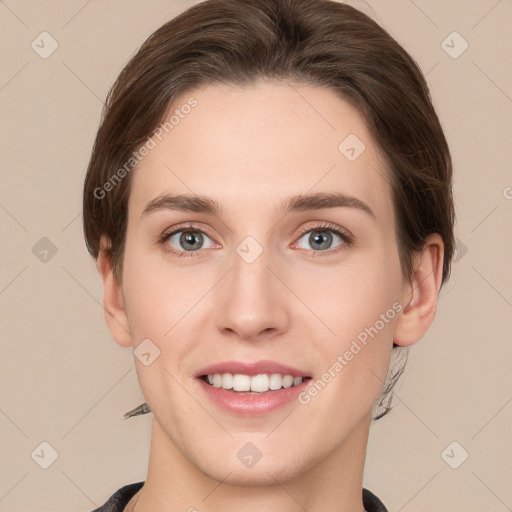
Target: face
[(291, 267)]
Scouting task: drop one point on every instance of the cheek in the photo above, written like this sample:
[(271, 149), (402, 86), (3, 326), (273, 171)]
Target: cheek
[(361, 310), (154, 295), (354, 299)]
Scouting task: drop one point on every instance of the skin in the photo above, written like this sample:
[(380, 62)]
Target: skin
[(250, 148)]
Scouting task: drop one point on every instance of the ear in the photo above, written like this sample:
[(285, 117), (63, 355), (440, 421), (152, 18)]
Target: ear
[(421, 293), (113, 303)]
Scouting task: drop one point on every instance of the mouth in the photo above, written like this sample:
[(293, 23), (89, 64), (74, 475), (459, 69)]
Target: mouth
[(256, 388), (252, 384)]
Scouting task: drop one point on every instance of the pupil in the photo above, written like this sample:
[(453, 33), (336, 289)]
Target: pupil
[(190, 238), (318, 236)]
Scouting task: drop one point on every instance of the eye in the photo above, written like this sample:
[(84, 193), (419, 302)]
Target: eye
[(321, 238), (186, 241)]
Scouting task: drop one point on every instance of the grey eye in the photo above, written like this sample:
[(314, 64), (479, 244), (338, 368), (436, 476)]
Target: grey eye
[(190, 240), (320, 239)]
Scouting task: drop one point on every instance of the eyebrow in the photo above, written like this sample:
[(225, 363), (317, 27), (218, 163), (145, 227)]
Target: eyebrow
[(294, 203)]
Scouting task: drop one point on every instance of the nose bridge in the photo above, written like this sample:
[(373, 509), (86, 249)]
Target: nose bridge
[(251, 279), (251, 299)]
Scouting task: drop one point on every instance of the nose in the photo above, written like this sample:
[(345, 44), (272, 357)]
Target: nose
[(253, 301)]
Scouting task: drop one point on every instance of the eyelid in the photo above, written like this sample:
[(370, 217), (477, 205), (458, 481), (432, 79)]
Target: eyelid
[(169, 233), (345, 235), (327, 226), (188, 226)]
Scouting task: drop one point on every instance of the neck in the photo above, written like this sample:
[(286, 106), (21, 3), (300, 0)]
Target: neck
[(331, 484)]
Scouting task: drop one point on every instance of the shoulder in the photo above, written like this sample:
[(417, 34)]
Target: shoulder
[(120, 498), (372, 503)]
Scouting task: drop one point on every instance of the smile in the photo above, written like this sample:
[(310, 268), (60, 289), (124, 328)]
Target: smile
[(252, 388), (260, 383)]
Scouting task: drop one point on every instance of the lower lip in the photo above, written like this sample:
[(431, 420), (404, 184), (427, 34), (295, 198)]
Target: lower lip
[(255, 404)]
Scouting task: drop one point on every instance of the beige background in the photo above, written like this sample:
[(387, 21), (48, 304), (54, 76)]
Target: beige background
[(65, 382)]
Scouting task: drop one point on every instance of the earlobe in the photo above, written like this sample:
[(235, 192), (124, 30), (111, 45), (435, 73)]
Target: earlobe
[(421, 293), (113, 303)]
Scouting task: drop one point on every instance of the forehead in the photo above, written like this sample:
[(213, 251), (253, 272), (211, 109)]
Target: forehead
[(268, 140)]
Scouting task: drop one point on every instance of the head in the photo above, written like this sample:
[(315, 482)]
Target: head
[(243, 107)]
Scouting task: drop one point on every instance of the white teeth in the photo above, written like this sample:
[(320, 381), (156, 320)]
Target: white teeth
[(257, 383), (240, 382), (276, 381), (260, 383), (288, 381), (227, 381)]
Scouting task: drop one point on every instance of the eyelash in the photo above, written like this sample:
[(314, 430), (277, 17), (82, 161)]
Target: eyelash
[(346, 238)]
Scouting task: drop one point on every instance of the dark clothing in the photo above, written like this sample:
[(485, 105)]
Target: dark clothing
[(121, 497)]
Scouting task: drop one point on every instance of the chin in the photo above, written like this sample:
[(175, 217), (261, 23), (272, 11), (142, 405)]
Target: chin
[(261, 475)]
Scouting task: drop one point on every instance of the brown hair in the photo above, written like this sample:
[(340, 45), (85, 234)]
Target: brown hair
[(320, 42)]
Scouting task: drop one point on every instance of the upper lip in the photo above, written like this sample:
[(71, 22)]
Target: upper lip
[(251, 368)]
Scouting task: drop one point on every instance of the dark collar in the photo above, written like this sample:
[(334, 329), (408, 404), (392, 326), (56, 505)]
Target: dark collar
[(121, 497)]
